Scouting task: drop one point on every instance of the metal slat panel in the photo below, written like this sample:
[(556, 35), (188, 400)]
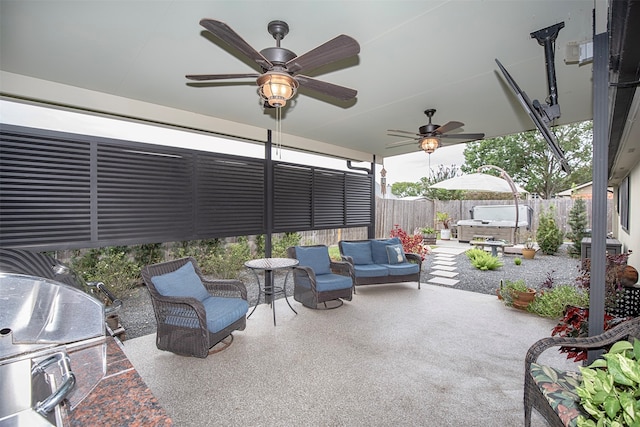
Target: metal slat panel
[(292, 203), (143, 193), (328, 199), (230, 195), (358, 200), (44, 189), (61, 190)]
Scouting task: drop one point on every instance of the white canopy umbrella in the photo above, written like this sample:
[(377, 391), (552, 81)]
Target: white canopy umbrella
[(478, 182), (485, 182)]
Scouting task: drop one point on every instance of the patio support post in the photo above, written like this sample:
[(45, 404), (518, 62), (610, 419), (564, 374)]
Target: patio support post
[(599, 205), (268, 204), (371, 230)]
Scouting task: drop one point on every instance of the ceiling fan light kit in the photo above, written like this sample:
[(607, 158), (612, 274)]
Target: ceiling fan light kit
[(429, 144), (277, 88)]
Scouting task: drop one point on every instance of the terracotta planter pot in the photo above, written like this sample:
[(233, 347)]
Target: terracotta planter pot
[(528, 253), (522, 299)]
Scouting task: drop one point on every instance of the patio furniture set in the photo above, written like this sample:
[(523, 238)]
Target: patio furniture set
[(193, 314)]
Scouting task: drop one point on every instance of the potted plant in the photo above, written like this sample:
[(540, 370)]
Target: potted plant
[(517, 294), (610, 387), (428, 235), (529, 250), (445, 220)]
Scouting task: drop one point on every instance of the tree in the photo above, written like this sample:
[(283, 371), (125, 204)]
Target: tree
[(423, 187), (527, 159), (406, 189), (549, 236), (578, 223)]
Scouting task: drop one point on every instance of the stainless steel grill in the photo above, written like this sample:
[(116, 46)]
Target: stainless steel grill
[(52, 349)]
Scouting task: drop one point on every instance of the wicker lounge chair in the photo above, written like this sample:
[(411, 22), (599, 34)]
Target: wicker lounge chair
[(318, 281), (561, 393), (193, 314)]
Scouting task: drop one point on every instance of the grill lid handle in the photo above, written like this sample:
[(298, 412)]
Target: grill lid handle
[(69, 381)]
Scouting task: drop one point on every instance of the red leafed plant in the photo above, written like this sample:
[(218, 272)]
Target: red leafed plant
[(575, 323), (411, 243)]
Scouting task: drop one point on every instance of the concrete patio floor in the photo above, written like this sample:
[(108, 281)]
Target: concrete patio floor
[(394, 355)]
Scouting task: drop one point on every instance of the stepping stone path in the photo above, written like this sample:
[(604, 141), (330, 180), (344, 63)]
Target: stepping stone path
[(443, 267)]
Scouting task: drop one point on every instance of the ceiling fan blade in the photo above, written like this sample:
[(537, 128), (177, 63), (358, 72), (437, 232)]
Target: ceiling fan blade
[(448, 127), (404, 136), (467, 136), (203, 77), (226, 34), (340, 92), (400, 143), (334, 50), (403, 131)]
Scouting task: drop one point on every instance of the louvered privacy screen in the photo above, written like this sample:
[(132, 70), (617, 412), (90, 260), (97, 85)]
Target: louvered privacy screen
[(61, 191)]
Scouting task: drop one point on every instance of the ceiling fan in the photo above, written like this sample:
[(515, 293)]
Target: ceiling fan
[(430, 136), (280, 68)]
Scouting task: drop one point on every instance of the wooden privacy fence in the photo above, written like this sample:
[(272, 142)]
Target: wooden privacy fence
[(414, 214)]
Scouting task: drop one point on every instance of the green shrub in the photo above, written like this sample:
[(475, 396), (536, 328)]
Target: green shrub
[(195, 248), (227, 261), (334, 253), (549, 236), (279, 244), (517, 261), (578, 224), (110, 265), (552, 302), (483, 260)]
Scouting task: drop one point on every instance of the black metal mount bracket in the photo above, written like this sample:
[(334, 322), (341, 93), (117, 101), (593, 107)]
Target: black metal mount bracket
[(546, 37)]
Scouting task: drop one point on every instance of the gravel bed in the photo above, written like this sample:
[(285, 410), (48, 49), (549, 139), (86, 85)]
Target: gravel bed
[(138, 319), (561, 267)]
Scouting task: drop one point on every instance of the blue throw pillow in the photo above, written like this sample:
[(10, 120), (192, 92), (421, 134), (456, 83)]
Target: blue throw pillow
[(315, 257), (379, 249), (184, 282), (396, 254)]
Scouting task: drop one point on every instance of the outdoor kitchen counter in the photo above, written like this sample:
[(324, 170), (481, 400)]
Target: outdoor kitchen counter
[(121, 398)]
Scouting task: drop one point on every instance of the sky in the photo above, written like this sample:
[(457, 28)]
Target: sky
[(407, 167)]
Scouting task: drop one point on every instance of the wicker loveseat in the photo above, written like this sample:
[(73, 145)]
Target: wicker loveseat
[(377, 261), (551, 391)]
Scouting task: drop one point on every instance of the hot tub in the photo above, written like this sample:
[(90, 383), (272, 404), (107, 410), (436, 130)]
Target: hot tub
[(494, 221)]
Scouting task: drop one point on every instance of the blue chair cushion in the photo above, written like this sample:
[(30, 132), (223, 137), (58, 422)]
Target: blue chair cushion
[(184, 282), (395, 254), (316, 257), (332, 282), (221, 311), (359, 251), (402, 269), (370, 270), (379, 249)]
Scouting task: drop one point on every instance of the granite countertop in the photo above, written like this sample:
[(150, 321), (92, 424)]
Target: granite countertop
[(121, 398)]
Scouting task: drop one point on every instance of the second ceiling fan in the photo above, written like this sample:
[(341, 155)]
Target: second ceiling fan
[(432, 136)]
